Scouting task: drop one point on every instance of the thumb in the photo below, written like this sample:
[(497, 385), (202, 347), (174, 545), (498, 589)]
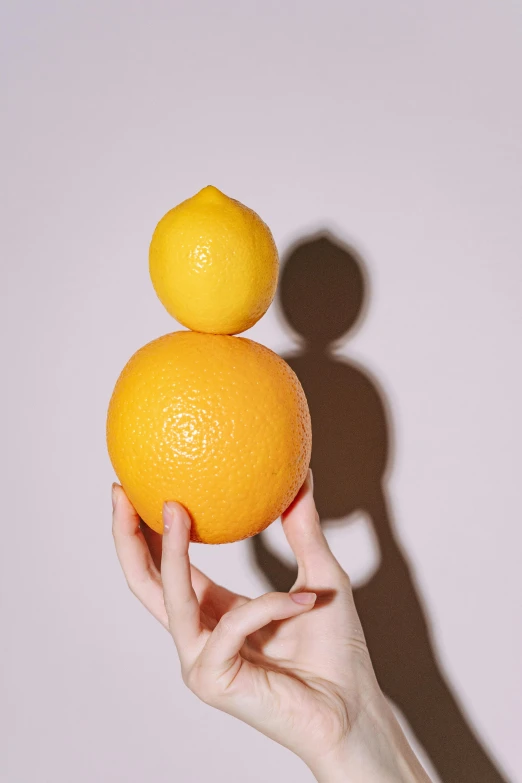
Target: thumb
[(303, 531)]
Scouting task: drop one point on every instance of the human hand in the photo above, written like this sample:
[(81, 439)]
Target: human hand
[(293, 665)]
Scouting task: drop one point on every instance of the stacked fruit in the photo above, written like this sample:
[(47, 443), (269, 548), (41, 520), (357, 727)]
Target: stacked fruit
[(216, 422)]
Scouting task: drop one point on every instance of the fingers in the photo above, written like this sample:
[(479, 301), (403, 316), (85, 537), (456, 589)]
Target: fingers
[(139, 551), (203, 586), (181, 601), (135, 558), (304, 534), (223, 645), (200, 581), (154, 541)]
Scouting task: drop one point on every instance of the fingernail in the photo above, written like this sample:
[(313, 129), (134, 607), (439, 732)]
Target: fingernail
[(311, 479), (169, 510), (114, 495), (303, 598)]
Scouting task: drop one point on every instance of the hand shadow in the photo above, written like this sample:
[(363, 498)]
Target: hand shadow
[(323, 293)]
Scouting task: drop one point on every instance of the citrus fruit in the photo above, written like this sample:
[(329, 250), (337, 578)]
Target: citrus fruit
[(215, 422), (214, 263)]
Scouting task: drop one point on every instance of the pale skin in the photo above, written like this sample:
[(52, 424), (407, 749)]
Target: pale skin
[(294, 666)]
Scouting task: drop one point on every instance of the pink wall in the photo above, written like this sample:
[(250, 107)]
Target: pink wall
[(397, 127)]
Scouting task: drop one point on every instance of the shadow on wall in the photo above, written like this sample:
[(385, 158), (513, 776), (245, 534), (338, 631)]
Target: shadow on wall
[(323, 294)]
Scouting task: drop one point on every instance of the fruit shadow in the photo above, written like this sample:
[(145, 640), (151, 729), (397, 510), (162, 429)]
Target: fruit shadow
[(323, 295)]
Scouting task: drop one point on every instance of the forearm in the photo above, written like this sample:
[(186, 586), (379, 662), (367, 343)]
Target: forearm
[(376, 751)]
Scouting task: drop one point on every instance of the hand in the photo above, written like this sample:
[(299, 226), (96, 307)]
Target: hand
[(293, 665)]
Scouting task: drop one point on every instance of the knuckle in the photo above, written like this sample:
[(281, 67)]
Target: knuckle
[(189, 677), (193, 677), (198, 683), (226, 624), (345, 583), (131, 584), (269, 601), (134, 584)]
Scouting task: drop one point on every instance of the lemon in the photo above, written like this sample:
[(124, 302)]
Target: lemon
[(214, 264)]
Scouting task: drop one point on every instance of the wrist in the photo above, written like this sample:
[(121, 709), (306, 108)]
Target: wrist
[(375, 749)]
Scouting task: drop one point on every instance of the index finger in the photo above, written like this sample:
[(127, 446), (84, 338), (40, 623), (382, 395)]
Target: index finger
[(135, 558), (181, 601)]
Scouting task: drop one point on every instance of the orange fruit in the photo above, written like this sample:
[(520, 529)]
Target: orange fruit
[(215, 422), (214, 263)]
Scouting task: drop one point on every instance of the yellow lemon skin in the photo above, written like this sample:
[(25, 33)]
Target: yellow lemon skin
[(217, 423), (214, 264)]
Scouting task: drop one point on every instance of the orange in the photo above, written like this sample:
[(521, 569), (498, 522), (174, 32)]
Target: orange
[(218, 423), (214, 263)]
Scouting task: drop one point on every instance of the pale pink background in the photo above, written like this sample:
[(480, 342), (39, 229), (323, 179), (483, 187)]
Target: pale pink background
[(398, 125)]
